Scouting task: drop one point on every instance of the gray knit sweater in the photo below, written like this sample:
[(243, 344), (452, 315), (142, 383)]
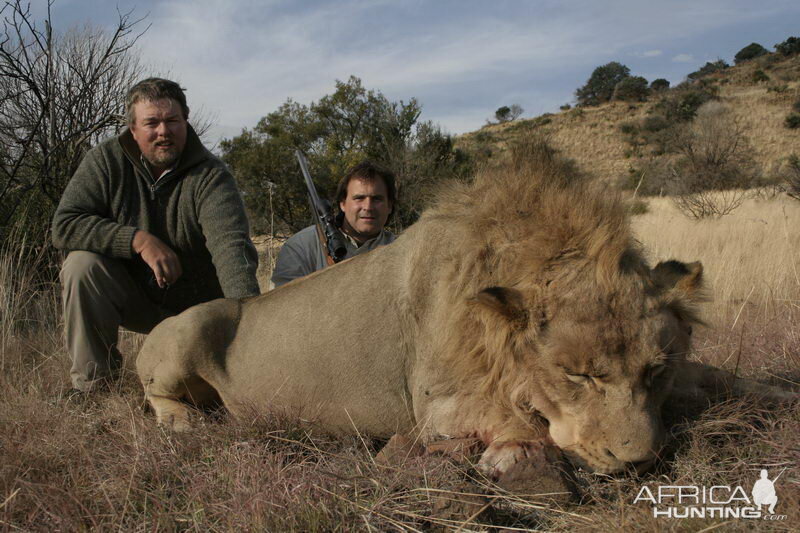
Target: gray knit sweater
[(196, 209)]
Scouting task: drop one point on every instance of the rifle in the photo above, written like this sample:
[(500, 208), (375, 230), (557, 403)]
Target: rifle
[(332, 240)]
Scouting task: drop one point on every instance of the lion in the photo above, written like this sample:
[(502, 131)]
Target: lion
[(519, 307)]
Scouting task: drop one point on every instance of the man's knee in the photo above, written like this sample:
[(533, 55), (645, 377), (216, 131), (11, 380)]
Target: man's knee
[(80, 267)]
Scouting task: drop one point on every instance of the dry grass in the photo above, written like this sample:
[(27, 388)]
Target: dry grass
[(102, 464)]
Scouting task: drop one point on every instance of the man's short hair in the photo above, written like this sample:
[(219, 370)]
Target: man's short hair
[(153, 89), (367, 170)]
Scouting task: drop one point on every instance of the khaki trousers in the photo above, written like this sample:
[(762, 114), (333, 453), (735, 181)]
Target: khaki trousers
[(99, 296)]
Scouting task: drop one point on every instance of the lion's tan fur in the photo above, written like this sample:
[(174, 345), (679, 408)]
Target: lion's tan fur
[(468, 324)]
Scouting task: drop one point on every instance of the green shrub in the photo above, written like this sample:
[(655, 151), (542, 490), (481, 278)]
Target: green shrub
[(709, 68), (759, 76), (789, 47), (682, 105), (565, 107), (750, 51), (792, 121), (659, 84), (632, 88), (796, 106)]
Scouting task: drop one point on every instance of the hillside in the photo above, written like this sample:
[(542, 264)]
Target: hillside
[(593, 138)]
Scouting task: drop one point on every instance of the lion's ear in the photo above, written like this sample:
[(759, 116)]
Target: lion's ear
[(506, 302), (684, 277)]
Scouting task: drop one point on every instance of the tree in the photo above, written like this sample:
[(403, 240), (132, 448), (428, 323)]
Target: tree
[(659, 84), (789, 47), (508, 113), (336, 132), (59, 95), (632, 88), (600, 86), (751, 51)]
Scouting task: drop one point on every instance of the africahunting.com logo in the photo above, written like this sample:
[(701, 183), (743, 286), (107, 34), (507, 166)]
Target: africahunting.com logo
[(718, 501)]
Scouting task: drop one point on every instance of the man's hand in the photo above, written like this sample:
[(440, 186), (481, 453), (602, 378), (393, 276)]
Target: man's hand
[(159, 257)]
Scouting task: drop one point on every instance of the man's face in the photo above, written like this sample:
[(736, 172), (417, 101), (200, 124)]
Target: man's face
[(366, 208), (159, 129)]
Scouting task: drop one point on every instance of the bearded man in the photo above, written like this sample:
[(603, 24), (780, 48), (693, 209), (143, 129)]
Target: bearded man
[(154, 224), (366, 196)]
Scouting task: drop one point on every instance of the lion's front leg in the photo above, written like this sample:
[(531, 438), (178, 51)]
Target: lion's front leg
[(508, 437), (501, 456)]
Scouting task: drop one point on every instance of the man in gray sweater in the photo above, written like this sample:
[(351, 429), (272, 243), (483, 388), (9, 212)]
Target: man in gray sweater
[(154, 224), (366, 196)]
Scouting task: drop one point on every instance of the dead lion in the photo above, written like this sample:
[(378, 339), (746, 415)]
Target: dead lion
[(518, 306)]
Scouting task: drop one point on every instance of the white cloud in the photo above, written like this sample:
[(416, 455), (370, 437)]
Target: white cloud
[(683, 58), (651, 53)]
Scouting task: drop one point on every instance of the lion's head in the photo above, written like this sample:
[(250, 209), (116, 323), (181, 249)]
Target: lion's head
[(562, 318)]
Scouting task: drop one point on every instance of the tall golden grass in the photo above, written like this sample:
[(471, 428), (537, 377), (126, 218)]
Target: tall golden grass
[(750, 257)]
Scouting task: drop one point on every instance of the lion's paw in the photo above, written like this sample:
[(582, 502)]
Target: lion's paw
[(499, 457)]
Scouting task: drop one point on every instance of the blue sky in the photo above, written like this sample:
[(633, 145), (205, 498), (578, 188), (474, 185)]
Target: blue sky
[(462, 59)]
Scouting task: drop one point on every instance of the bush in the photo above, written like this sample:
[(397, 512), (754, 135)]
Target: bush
[(600, 86), (655, 123), (751, 51), (796, 106), (792, 177), (759, 76), (565, 107), (792, 121), (659, 84), (709, 68), (789, 47), (715, 168), (632, 88), (682, 105), (508, 113)]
